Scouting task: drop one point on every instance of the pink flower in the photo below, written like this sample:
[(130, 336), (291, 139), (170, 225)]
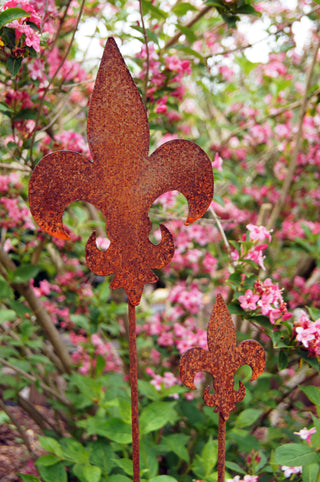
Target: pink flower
[(161, 105), (226, 73), (258, 233), (288, 471), (305, 434), (255, 255), (217, 163), (248, 300), (308, 333)]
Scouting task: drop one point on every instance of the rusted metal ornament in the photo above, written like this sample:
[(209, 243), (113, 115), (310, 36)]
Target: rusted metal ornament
[(222, 361), (122, 181)]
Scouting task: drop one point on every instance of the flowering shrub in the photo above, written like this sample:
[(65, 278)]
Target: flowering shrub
[(65, 332)]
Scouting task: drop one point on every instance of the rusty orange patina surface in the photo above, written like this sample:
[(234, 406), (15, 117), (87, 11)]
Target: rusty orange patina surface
[(122, 181)]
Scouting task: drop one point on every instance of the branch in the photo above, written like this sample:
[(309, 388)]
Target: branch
[(146, 75), (293, 163), (194, 20), (15, 422), (51, 80), (26, 290), (36, 381)]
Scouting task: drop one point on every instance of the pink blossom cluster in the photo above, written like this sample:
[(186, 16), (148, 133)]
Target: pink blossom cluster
[(55, 295), (302, 292), (171, 334), (230, 214), (15, 214), (70, 70), (87, 363), (22, 27), (308, 334), (288, 471), (305, 434), (175, 69), (267, 298), (255, 251), (65, 140), (247, 478), (188, 297), (166, 381), (9, 181)]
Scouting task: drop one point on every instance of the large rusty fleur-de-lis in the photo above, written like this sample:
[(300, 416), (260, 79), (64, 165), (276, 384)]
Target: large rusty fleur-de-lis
[(122, 181), (222, 361)]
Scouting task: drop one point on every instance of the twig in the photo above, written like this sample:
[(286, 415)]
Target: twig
[(221, 231), (15, 422), (279, 112), (52, 79), (37, 416), (35, 380), (146, 75), (191, 22), (293, 163), (15, 166), (40, 313)]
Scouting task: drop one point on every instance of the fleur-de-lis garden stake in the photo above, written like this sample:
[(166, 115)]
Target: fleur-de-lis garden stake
[(222, 361), (122, 181)]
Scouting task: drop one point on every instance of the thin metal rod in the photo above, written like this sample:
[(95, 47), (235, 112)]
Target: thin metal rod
[(221, 448), (134, 392)]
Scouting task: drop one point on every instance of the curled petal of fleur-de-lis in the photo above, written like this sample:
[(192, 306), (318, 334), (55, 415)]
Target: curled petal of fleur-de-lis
[(222, 361), (122, 181)]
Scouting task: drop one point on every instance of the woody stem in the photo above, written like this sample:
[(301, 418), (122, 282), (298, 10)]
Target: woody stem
[(221, 448), (134, 392)]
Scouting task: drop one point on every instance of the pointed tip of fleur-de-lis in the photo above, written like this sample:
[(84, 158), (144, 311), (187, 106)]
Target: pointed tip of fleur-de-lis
[(222, 360), (122, 181)]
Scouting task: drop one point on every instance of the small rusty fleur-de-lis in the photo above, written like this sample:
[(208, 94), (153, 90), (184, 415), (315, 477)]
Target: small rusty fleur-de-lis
[(122, 181), (222, 361)]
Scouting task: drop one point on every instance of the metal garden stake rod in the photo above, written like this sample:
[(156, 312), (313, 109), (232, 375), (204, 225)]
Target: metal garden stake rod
[(222, 360), (122, 181)]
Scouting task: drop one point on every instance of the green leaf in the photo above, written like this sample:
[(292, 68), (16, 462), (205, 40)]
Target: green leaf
[(125, 464), (119, 478), (5, 289), (248, 10), (113, 428), (210, 456), (310, 472), (74, 450), (163, 478), (216, 3), (25, 114), (11, 14), (19, 308), (313, 393), (182, 8), (54, 473), (87, 473), (47, 460), (248, 417), (235, 467), (24, 273), (191, 36), (295, 455), (51, 445), (148, 390), (7, 315), (157, 415), (177, 444), (235, 309), (102, 455), (29, 478), (14, 65), (188, 51)]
